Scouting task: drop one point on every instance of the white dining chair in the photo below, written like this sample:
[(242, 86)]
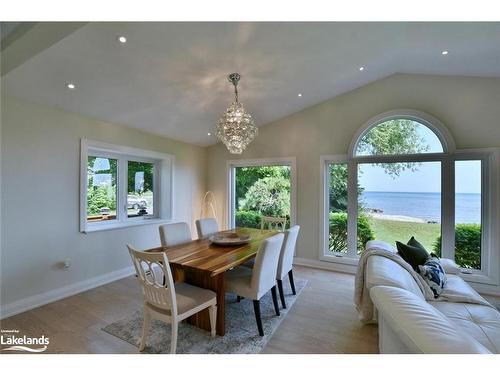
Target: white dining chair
[(165, 301), (255, 283), (174, 234), (285, 263), (206, 227), (273, 223)]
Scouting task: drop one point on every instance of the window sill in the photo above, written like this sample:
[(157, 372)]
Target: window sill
[(118, 225), (342, 259), (472, 277), (477, 277)]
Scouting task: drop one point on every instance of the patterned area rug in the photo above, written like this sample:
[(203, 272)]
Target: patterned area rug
[(241, 335)]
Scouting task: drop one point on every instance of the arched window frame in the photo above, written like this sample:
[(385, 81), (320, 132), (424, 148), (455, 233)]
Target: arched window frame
[(490, 160), (425, 119)]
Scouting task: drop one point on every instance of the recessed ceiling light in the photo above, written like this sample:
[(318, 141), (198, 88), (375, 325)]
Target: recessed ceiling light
[(209, 134), (299, 95), (444, 52), (70, 85), (361, 68), (122, 39)]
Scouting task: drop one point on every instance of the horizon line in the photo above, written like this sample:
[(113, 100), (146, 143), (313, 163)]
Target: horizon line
[(411, 192)]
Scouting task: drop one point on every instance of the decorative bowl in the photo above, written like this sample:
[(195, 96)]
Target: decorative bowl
[(229, 239)]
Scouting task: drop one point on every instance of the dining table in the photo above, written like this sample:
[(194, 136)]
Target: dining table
[(203, 264)]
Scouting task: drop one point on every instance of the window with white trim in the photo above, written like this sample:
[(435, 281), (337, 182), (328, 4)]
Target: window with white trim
[(404, 178), (123, 186)]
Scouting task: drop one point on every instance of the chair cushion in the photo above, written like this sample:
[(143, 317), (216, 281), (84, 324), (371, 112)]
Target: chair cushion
[(421, 327), (478, 321), (238, 281), (188, 297)]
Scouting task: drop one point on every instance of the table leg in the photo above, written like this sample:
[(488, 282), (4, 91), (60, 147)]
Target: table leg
[(221, 304)]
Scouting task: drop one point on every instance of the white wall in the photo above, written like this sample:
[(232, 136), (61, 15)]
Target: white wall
[(40, 200), (469, 107)]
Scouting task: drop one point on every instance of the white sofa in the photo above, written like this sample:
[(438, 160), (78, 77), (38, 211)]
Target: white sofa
[(409, 324)]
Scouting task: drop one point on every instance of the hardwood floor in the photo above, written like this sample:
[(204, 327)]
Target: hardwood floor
[(322, 320)]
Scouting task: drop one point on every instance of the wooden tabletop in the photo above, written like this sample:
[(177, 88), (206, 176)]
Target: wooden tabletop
[(201, 255)]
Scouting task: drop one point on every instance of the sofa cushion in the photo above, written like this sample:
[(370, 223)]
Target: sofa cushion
[(381, 245), (478, 321), (421, 327), (455, 285), (384, 271), (449, 266)]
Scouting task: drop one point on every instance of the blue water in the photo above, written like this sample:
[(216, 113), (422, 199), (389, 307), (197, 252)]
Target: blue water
[(425, 206)]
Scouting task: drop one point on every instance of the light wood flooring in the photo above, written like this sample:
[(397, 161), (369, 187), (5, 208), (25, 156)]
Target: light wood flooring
[(322, 320)]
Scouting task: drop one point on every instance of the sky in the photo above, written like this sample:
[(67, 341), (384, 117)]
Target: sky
[(427, 178)]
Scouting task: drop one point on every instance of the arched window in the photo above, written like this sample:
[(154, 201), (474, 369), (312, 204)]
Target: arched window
[(403, 178), (401, 132), (398, 136)]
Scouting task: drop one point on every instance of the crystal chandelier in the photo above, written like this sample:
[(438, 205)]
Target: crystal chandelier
[(236, 128)]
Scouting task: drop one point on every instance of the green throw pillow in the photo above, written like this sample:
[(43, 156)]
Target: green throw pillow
[(413, 242), (414, 255)]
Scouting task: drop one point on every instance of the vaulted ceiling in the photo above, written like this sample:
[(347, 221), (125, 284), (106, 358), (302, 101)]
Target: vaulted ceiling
[(170, 78)]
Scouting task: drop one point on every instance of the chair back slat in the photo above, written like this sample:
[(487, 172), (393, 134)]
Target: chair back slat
[(266, 263), (273, 223), (155, 277)]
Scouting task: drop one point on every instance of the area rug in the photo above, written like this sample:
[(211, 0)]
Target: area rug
[(241, 335)]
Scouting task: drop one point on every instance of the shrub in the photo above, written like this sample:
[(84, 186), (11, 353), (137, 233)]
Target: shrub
[(247, 176), (467, 245), (98, 197), (248, 219), (338, 231), (270, 196)]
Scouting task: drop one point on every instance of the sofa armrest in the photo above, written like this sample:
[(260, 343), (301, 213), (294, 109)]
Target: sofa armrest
[(419, 326)]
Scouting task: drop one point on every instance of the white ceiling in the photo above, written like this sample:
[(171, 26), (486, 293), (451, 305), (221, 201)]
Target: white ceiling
[(170, 78)]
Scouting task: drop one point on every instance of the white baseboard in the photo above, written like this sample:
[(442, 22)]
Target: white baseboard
[(41, 299), (331, 266), (492, 290)]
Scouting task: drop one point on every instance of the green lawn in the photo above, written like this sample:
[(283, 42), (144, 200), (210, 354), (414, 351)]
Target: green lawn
[(392, 231)]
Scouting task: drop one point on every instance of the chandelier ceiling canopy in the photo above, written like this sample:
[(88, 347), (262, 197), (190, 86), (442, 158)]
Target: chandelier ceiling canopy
[(236, 128)]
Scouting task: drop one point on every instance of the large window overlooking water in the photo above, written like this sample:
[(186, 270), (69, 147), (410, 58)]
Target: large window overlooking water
[(468, 213), (402, 180), (398, 205)]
